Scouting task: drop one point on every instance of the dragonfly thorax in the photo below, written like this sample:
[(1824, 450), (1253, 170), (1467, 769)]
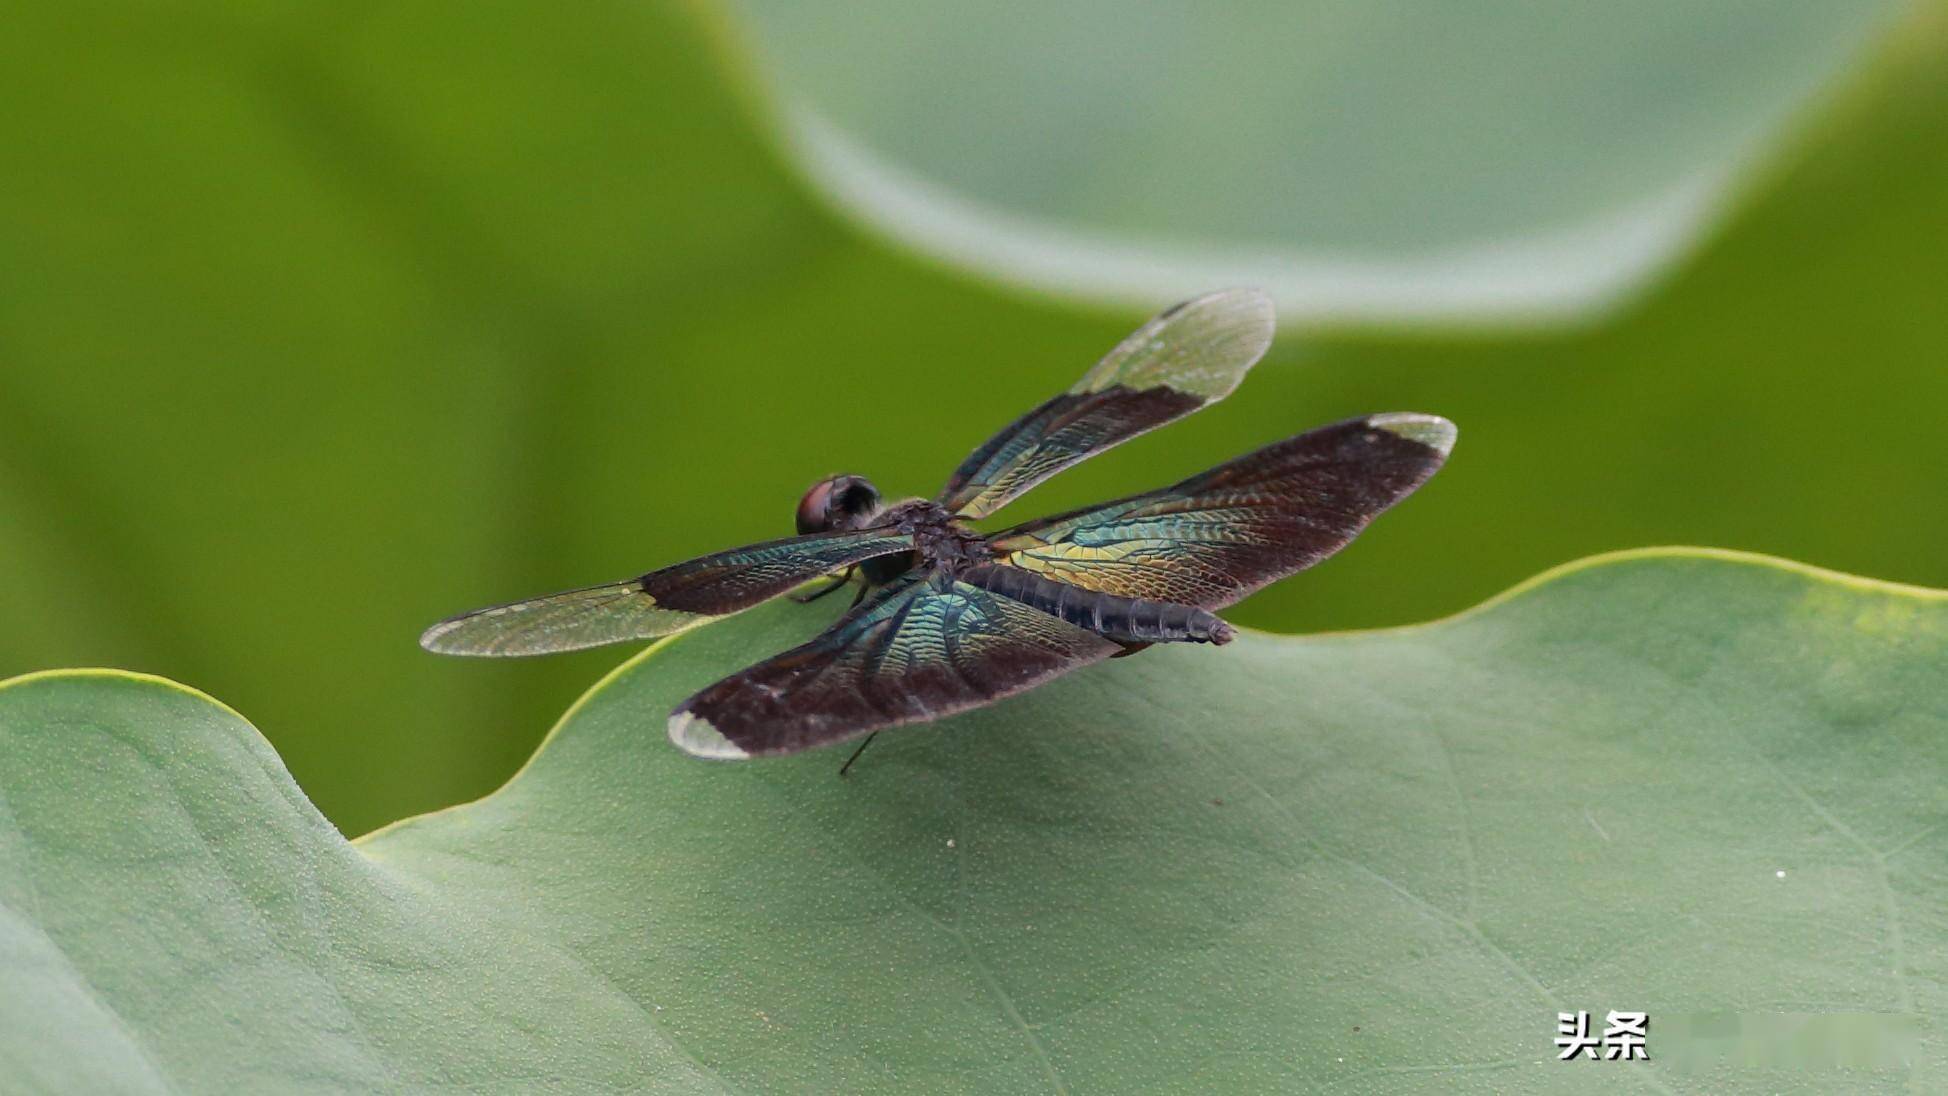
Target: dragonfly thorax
[(942, 539)]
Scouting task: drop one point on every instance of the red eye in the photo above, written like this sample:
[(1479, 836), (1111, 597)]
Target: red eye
[(814, 510)]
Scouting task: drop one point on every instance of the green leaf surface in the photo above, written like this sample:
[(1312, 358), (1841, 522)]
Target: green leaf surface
[(1677, 781), (1379, 161)]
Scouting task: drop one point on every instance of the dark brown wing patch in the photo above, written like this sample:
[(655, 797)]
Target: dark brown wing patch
[(924, 647), (742, 577), (1212, 539), (1064, 430), (659, 603), (1187, 357)]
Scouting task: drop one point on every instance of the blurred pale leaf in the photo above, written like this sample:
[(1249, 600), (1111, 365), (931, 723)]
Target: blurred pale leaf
[(1672, 781), (1376, 161)]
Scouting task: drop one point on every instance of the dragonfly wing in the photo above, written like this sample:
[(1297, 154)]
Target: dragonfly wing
[(1188, 357), (923, 647), (661, 602), (1212, 539)]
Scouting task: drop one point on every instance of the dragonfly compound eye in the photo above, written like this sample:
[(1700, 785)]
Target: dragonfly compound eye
[(837, 502)]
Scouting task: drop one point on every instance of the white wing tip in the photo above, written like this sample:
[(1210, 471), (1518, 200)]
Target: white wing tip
[(694, 735), (1432, 431)]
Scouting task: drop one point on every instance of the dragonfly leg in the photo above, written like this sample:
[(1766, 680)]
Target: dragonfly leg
[(832, 583), (857, 752)]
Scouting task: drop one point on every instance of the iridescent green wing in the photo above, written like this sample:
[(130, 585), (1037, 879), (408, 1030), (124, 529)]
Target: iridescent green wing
[(661, 602), (1186, 358), (923, 647), (1212, 539)]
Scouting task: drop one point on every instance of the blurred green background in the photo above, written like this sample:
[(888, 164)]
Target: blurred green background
[(319, 324)]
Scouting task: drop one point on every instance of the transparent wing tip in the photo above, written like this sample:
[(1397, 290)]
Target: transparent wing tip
[(694, 735), (1433, 431), (1241, 298), (440, 639), (473, 635), (1243, 312)]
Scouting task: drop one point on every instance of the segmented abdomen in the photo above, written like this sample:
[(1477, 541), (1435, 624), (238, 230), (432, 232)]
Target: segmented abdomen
[(1136, 620)]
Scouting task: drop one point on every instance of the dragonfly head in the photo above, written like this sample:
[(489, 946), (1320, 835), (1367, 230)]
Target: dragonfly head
[(838, 502)]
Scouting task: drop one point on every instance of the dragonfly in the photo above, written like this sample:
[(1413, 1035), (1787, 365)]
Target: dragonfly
[(948, 618)]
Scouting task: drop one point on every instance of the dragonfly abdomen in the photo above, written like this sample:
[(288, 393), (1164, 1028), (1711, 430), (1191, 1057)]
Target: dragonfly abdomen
[(1134, 620)]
